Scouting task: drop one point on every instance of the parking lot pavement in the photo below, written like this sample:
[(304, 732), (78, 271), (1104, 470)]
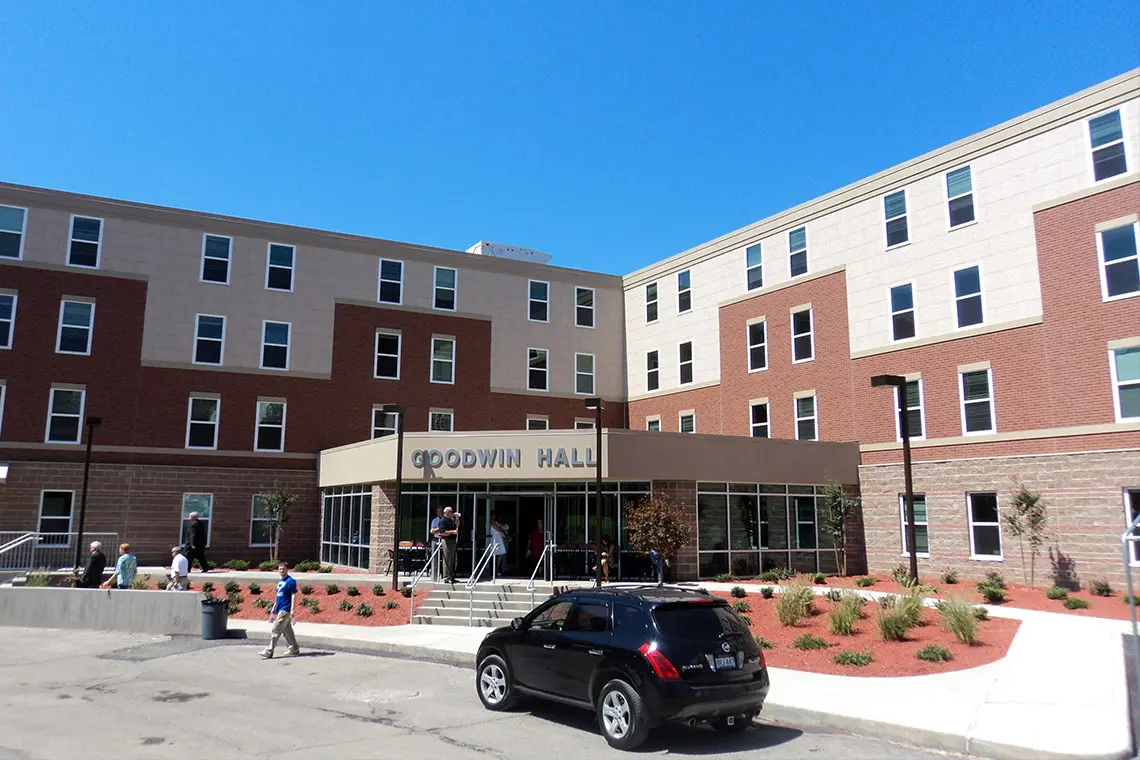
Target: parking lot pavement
[(66, 694)]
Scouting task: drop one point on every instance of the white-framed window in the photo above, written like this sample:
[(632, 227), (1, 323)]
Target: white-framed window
[(443, 360), (758, 346), (807, 428), (209, 339), (583, 424), (13, 223), (977, 402), (895, 218), (1131, 509), (85, 246), (915, 413), (65, 415), (441, 420), (387, 356), (960, 196), (446, 289), (203, 414), (538, 306), (54, 525), (653, 424), (275, 344), (203, 504), (584, 307), (584, 374), (216, 258), (538, 369), (798, 258), (685, 362), (968, 296), (1119, 262), (7, 318), (652, 370), (651, 302), (76, 325), (3, 395), (684, 292), (687, 422), (1124, 364), (758, 423), (262, 527), (803, 336), (279, 260), (985, 527), (921, 525), (754, 266), (537, 422), (804, 508), (390, 288), (1106, 135), (269, 432), (902, 312), (383, 423)]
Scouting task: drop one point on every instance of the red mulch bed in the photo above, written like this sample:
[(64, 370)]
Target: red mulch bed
[(890, 658), (328, 604)]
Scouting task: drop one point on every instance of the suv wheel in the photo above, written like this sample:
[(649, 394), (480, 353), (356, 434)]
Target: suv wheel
[(493, 682), (621, 715), (738, 724)]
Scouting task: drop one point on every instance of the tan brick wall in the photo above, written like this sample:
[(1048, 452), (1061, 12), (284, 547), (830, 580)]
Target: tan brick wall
[(382, 526)]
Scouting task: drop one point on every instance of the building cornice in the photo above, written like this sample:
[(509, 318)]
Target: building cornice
[(1016, 435)]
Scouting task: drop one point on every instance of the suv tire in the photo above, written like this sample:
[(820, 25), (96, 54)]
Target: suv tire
[(622, 717), (494, 684), (739, 724)]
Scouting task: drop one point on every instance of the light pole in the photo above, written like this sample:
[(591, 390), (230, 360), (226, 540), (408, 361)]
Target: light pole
[(596, 405), (398, 412), (92, 423), (898, 382)]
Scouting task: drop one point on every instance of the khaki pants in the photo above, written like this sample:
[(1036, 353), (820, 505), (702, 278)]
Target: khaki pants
[(283, 626)]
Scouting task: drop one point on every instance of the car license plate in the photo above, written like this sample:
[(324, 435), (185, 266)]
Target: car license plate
[(725, 663)]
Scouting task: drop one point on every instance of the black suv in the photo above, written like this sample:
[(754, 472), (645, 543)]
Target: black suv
[(637, 657)]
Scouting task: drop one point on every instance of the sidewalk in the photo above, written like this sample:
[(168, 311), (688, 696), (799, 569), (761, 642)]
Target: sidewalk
[(1060, 692)]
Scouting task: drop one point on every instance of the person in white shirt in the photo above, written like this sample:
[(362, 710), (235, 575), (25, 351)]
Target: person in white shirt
[(179, 570)]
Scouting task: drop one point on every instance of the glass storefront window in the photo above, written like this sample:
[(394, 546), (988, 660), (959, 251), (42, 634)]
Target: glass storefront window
[(744, 523), (712, 522), (346, 526)]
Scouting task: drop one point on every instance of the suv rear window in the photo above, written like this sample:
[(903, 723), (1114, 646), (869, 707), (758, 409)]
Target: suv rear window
[(697, 621)]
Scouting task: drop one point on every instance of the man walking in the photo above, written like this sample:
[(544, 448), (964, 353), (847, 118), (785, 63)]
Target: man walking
[(434, 532), (449, 533), (179, 570), (282, 614), (197, 544), (96, 564), (125, 569)]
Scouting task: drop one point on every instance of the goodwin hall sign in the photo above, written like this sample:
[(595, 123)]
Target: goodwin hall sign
[(502, 459)]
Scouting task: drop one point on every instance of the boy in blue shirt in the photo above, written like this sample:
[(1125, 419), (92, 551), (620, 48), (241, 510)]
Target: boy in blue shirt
[(282, 614)]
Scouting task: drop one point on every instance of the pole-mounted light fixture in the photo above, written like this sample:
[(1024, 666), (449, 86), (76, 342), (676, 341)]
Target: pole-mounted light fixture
[(595, 404), (898, 382)]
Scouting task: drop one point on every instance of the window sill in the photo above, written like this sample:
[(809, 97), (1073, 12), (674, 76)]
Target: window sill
[(538, 321), (972, 434), (1121, 297), (897, 246), (906, 555), (962, 225), (987, 558), (803, 361), (82, 266), (384, 377), (754, 371), (442, 382), (390, 303), (974, 326), (213, 282)]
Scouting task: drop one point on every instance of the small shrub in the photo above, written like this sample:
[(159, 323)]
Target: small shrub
[(991, 593), (767, 592), (314, 606), (160, 586), (888, 601), (725, 578), (325, 569), (1076, 603), (233, 607), (865, 581), (305, 566), (901, 574), (263, 603), (378, 589), (833, 595), (794, 603), (235, 598), (738, 592), (746, 618), (344, 606), (762, 642), (140, 584), (741, 606), (232, 587), (332, 589), (37, 580), (1136, 597), (818, 579), (363, 610), (893, 623), (1100, 588), (981, 613), (960, 619), (391, 604), (306, 589), (843, 618), (254, 588), (934, 653), (208, 587), (949, 577), (237, 564), (406, 591), (807, 641), (352, 591), (854, 659), (268, 566), (910, 606), (1057, 593), (769, 576), (994, 577)]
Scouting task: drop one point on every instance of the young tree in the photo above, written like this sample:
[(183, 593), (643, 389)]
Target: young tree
[(838, 505), (278, 503), (656, 523), (1026, 520)]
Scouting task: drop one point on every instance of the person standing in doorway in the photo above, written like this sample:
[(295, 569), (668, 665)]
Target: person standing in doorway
[(282, 614), (434, 532), (499, 539), (449, 533), (197, 543), (179, 570), (96, 564), (535, 543), (125, 569)]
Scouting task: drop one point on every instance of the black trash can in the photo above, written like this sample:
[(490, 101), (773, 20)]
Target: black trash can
[(215, 617)]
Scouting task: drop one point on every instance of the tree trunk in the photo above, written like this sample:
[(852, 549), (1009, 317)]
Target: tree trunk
[(1021, 545)]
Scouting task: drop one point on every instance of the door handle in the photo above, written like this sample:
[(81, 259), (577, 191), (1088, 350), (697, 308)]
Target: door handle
[(548, 646), (596, 651)]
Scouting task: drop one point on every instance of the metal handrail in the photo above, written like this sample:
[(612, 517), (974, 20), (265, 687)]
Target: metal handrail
[(488, 555), (547, 557), (416, 579), (17, 542)]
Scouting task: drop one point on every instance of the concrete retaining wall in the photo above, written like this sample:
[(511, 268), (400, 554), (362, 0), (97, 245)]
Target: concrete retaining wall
[(134, 611)]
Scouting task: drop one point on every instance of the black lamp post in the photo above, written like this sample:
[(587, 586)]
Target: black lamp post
[(898, 382), (398, 412), (596, 405), (92, 423)]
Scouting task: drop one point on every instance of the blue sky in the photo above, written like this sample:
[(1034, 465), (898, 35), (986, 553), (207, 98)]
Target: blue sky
[(610, 135)]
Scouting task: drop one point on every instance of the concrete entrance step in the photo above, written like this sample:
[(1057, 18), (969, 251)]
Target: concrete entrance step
[(477, 622), (480, 604)]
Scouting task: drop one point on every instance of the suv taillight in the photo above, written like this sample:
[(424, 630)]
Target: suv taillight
[(659, 662)]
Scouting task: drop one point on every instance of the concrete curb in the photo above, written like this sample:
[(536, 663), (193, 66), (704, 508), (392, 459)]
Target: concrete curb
[(389, 649)]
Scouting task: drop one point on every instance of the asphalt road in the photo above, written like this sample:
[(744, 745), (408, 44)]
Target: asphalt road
[(69, 694)]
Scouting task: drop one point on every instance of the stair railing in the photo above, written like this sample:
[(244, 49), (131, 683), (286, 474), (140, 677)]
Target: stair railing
[(545, 563), (418, 576), (487, 558), (17, 554)]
